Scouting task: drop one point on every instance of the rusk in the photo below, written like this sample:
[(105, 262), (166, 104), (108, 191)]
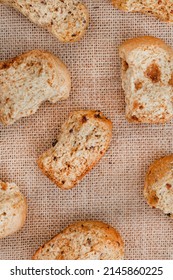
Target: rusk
[(28, 80), (13, 209), (147, 79), (83, 140), (86, 240), (67, 20)]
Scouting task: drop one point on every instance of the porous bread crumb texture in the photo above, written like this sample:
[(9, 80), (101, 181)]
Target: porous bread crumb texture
[(13, 208), (158, 189), (162, 9), (87, 240), (65, 19), (147, 79), (83, 140), (28, 80)]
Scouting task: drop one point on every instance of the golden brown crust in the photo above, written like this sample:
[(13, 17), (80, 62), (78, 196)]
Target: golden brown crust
[(120, 4), (50, 174), (90, 115), (158, 170), (143, 42), (85, 226), (163, 13), (158, 188)]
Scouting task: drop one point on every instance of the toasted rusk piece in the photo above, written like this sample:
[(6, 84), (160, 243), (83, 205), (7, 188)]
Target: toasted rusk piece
[(158, 189), (147, 79), (13, 209), (161, 9), (83, 140), (67, 20), (86, 240), (28, 80)]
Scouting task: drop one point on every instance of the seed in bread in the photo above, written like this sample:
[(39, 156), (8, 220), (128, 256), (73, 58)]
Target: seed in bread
[(147, 79), (86, 240), (67, 20), (161, 9), (83, 140), (158, 189), (28, 80), (13, 208)]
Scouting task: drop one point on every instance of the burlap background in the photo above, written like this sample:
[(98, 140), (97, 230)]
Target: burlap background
[(113, 191)]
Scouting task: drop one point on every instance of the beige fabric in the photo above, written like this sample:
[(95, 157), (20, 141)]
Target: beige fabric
[(113, 190)]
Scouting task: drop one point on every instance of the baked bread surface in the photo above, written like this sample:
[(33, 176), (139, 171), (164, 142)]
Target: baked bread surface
[(28, 80), (158, 190), (161, 9), (67, 20), (147, 79), (13, 209), (83, 140), (85, 240)]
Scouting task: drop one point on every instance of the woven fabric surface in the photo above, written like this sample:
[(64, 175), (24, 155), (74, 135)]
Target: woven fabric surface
[(113, 191)]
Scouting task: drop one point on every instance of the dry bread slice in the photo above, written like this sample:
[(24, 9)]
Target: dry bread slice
[(67, 20), (83, 140), (13, 208), (158, 189), (86, 240), (147, 79), (162, 9), (28, 80)]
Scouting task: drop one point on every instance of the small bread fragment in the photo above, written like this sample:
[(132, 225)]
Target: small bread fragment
[(13, 209), (83, 140), (85, 240), (67, 20), (158, 190), (28, 80), (147, 79), (161, 9)]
